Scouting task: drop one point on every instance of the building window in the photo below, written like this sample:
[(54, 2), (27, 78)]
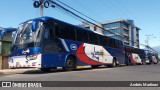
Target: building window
[(95, 28), (126, 32), (112, 25), (125, 26), (87, 27), (112, 31)]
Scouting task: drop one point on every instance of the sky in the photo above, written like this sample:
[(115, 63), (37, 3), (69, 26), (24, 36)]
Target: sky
[(145, 13)]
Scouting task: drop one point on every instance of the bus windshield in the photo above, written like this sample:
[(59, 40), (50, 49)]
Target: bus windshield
[(26, 37)]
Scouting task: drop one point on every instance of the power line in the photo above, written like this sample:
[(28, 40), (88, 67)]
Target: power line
[(84, 7), (72, 13), (78, 11), (77, 16)]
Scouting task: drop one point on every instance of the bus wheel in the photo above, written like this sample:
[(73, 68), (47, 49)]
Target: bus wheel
[(45, 69), (70, 64), (95, 66), (113, 63)]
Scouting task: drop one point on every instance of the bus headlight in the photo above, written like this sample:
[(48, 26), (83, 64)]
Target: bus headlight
[(32, 57)]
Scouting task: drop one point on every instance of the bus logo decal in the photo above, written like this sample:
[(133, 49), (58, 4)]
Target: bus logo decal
[(25, 51), (73, 46), (96, 54)]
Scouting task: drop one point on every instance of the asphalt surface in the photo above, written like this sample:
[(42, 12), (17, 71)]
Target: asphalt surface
[(120, 73)]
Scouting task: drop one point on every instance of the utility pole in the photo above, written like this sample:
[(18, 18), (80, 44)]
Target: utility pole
[(148, 38), (41, 7), (41, 4)]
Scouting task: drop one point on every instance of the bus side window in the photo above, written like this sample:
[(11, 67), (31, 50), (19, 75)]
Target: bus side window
[(63, 31), (56, 30), (92, 38), (85, 36), (120, 44), (96, 39), (79, 34), (115, 44), (72, 33), (110, 42), (101, 40), (105, 41)]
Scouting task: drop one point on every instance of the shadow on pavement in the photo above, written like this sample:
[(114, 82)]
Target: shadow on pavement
[(52, 71), (38, 71), (1, 74)]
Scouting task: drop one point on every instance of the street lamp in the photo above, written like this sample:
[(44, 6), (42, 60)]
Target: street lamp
[(149, 38), (41, 4)]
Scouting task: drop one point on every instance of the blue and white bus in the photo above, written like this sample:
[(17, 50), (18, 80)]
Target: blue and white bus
[(134, 55), (151, 57), (48, 43)]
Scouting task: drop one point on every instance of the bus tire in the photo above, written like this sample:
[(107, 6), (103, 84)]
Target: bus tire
[(113, 63), (95, 66), (45, 69), (70, 64), (149, 63)]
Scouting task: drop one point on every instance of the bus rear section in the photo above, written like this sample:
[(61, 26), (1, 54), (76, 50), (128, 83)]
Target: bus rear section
[(134, 55), (155, 58), (151, 57)]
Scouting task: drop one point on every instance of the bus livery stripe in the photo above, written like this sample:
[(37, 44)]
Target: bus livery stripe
[(65, 45), (84, 58)]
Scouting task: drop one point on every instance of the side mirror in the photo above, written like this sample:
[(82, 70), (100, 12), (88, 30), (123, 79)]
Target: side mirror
[(34, 25)]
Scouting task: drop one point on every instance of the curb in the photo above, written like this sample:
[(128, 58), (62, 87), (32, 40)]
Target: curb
[(80, 67)]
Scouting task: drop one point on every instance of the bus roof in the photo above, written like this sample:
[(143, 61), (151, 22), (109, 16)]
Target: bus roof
[(44, 18)]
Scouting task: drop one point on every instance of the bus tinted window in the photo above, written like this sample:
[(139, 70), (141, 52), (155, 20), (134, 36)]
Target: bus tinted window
[(116, 44), (93, 38), (110, 42), (64, 31), (85, 36), (120, 44), (56, 30), (72, 33), (101, 42), (79, 33)]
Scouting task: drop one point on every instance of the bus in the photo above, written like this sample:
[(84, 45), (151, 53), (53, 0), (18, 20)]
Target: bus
[(48, 43), (155, 59), (151, 57), (134, 55)]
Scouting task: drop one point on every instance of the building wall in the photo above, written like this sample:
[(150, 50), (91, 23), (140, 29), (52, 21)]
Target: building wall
[(5, 44), (126, 30)]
